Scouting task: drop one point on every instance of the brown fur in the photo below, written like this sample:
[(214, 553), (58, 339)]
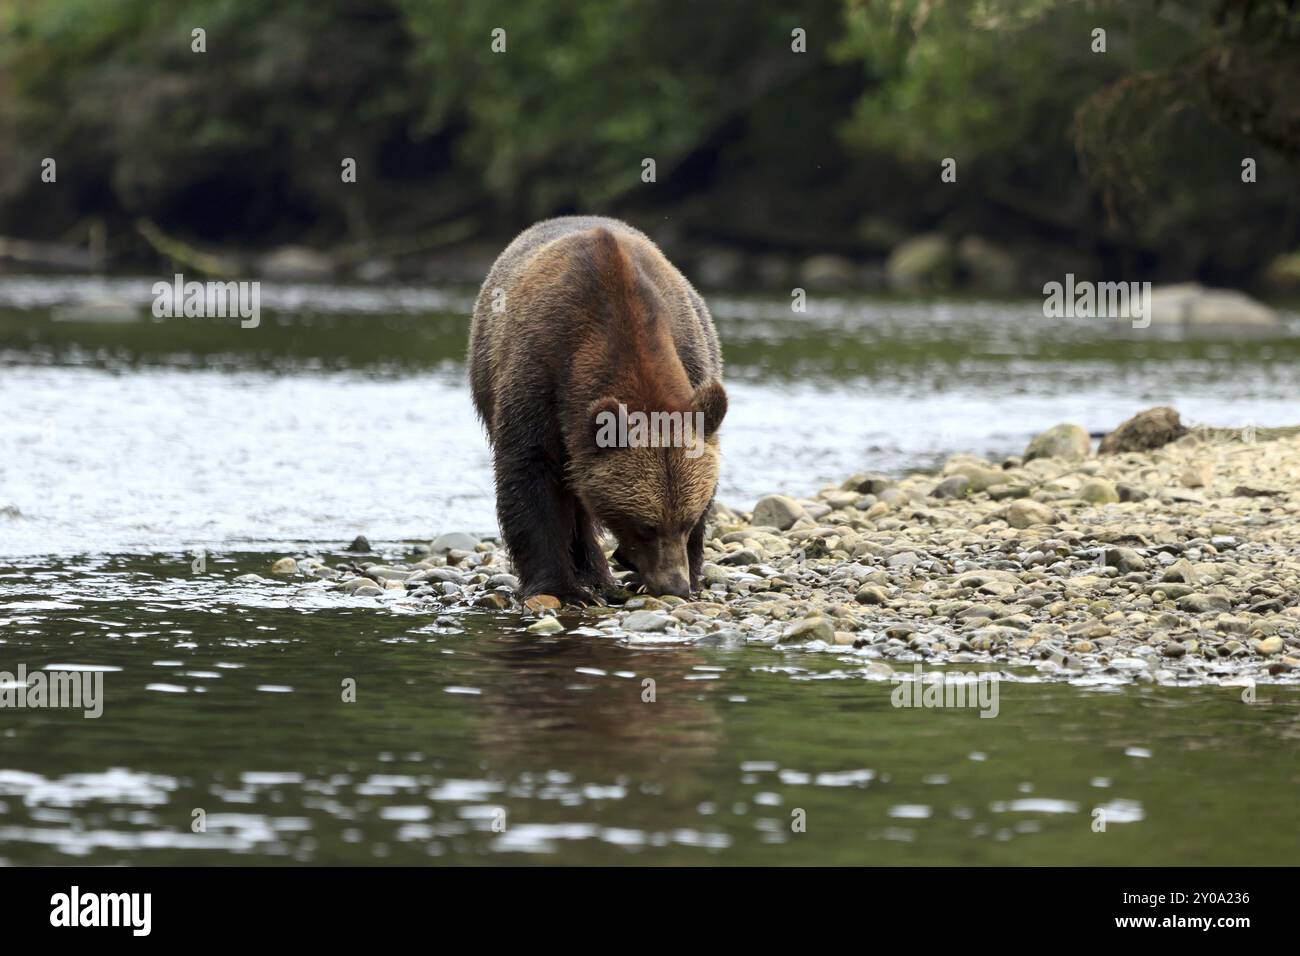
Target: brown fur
[(593, 316)]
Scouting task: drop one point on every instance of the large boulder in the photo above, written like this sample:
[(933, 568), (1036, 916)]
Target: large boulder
[(1195, 308), (777, 511), (980, 475), (1146, 430), (1060, 441), (986, 265), (1284, 271), (922, 262)]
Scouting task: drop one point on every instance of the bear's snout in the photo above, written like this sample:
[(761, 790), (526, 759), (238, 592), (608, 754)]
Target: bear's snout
[(664, 568), (675, 583), (660, 565)]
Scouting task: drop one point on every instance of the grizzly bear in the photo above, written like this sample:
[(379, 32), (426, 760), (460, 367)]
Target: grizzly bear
[(581, 327)]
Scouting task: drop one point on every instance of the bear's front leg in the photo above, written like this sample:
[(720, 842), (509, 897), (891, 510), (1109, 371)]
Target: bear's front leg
[(695, 549), (588, 558), (537, 512)]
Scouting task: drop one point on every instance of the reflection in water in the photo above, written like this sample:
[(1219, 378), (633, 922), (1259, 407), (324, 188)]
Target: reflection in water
[(470, 741), (593, 694)]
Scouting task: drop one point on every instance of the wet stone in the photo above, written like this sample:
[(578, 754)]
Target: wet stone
[(1203, 603), (453, 541), (545, 625), (647, 621), (809, 629)]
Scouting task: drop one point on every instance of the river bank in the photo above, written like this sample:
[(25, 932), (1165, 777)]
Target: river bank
[(1175, 565), (388, 704)]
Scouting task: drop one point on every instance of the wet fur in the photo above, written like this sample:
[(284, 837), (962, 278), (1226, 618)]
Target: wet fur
[(593, 314)]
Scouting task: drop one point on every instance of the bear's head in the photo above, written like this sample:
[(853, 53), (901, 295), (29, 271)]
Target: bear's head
[(648, 475)]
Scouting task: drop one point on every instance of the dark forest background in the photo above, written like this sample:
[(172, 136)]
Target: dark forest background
[(771, 164)]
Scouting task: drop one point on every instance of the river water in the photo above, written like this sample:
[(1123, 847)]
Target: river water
[(145, 465)]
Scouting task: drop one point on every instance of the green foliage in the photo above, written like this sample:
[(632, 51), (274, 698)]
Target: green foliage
[(948, 87), (1135, 150), (597, 85), (586, 90), (1016, 92), (281, 95)]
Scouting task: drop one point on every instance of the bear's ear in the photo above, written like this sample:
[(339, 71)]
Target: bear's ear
[(711, 399), (602, 423)]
